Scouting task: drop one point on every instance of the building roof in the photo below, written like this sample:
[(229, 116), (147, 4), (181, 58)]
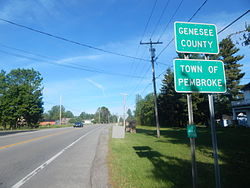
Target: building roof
[(246, 87)]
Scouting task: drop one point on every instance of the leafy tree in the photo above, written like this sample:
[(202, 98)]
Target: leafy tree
[(113, 119), (102, 115), (244, 36), (22, 98), (68, 114), (130, 115), (46, 116), (3, 88), (144, 112), (54, 113), (138, 109), (85, 116), (75, 119)]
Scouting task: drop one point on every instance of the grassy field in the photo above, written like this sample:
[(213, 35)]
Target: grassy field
[(143, 161)]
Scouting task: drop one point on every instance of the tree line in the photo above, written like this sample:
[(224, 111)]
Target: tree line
[(172, 106), (102, 115)]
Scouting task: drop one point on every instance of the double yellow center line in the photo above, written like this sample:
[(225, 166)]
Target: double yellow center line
[(33, 139)]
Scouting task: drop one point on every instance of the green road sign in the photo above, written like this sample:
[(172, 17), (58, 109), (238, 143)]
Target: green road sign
[(196, 38), (199, 76), (191, 131)]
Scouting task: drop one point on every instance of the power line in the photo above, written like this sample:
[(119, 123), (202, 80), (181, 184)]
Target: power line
[(146, 88), (233, 21), (197, 11), (145, 73), (146, 26), (223, 29), (68, 66), (144, 31), (71, 41), (43, 56), (165, 47), (176, 10), (188, 21), (158, 22)]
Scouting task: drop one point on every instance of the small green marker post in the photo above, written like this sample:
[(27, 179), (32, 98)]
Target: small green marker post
[(191, 131)]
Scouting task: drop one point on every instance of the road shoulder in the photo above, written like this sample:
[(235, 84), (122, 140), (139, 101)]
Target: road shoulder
[(99, 171)]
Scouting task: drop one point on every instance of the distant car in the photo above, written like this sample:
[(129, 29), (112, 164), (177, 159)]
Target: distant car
[(78, 124)]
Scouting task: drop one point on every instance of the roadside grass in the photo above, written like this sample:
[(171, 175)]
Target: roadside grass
[(53, 126), (38, 128), (143, 161)]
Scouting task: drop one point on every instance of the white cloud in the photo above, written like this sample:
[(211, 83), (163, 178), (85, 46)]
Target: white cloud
[(99, 86), (79, 58), (30, 9)]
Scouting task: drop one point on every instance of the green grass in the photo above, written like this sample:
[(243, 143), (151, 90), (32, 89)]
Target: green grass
[(40, 127), (53, 126), (142, 160)]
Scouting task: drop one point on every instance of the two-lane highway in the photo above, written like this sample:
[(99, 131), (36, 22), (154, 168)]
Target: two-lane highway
[(50, 158)]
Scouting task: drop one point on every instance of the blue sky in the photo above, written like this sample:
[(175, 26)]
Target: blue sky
[(113, 25)]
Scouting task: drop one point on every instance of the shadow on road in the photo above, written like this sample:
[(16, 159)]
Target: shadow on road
[(4, 133)]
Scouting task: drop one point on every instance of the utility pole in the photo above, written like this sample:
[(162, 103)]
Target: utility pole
[(60, 115), (152, 50), (99, 115), (124, 109)]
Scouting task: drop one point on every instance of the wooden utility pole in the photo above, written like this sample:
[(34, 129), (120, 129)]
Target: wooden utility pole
[(152, 50)]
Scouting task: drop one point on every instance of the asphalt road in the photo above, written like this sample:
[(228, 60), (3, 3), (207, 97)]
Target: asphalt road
[(65, 157)]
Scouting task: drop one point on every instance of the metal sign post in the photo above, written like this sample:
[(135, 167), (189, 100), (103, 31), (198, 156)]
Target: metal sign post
[(214, 139), (192, 139), (199, 76)]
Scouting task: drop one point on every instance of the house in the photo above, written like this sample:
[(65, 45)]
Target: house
[(65, 121), (241, 109), (47, 122), (88, 121)]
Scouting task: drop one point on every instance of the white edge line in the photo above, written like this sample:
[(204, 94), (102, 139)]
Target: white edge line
[(38, 169)]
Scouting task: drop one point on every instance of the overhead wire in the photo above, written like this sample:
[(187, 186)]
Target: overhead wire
[(195, 13), (231, 23), (173, 15), (72, 41), (43, 56), (223, 29), (66, 65), (144, 31), (159, 20), (156, 26), (146, 26)]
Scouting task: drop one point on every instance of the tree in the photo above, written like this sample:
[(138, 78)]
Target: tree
[(85, 116), (233, 76), (245, 35), (138, 109), (102, 115), (113, 119), (54, 113), (22, 98), (172, 105), (130, 115), (144, 112), (68, 114), (3, 88)]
